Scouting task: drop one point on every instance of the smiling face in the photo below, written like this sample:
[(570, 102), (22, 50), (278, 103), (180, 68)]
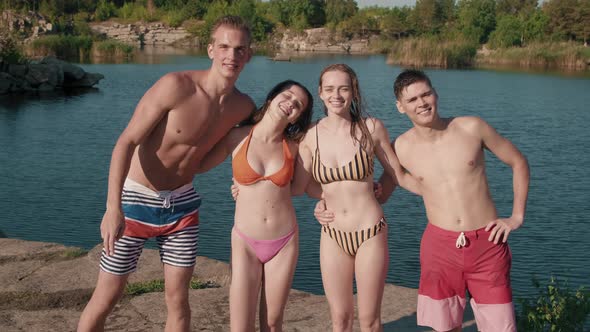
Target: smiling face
[(336, 91), (419, 102), (290, 103), (229, 50)]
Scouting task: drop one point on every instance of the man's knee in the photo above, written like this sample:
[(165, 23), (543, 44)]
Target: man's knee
[(177, 297)]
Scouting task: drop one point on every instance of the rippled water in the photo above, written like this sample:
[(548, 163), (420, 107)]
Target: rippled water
[(54, 155)]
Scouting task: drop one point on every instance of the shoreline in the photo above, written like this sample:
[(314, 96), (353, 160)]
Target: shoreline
[(45, 286), (148, 54)]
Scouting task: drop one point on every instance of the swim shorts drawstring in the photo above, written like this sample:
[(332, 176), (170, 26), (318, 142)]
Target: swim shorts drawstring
[(461, 241), (168, 199)]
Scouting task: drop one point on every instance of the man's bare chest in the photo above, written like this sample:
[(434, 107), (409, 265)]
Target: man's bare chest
[(431, 163)]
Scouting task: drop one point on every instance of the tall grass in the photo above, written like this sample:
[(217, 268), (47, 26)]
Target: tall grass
[(567, 55), (62, 46), (112, 49), (432, 52)]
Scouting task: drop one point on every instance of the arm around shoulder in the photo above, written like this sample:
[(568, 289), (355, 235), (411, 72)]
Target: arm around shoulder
[(394, 172), (222, 149), (302, 177)]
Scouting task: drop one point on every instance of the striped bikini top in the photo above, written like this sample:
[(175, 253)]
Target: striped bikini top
[(244, 174), (357, 169)]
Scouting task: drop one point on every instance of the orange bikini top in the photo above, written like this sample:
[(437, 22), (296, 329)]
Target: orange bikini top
[(244, 174)]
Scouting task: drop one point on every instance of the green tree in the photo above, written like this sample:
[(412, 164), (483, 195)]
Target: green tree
[(297, 14), (562, 18), (104, 10), (477, 19), (535, 26), (582, 25), (394, 22), (362, 24), (515, 7), (508, 32), (339, 10), (430, 16)]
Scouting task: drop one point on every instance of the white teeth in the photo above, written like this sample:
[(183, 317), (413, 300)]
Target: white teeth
[(425, 111), (286, 111)]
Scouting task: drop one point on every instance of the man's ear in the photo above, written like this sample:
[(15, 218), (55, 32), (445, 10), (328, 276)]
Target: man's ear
[(210, 51), (400, 108)]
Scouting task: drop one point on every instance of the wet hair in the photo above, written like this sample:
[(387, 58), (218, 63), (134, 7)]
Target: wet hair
[(231, 21), (294, 131), (357, 109), (407, 78)]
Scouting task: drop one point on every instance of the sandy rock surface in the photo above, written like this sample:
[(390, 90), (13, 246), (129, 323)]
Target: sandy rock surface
[(45, 286)]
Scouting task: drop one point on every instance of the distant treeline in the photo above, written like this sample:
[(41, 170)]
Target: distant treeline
[(462, 26), (502, 23)]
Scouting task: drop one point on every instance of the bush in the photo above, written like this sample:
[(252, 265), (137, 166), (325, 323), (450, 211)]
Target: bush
[(508, 32), (174, 18), (133, 11), (10, 51), (104, 10), (557, 309)]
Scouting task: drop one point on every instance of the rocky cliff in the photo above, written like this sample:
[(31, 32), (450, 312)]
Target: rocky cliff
[(321, 40), (150, 34)]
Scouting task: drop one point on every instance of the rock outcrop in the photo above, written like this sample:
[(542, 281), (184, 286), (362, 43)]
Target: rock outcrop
[(45, 286), (49, 74), (141, 34), (321, 40), (31, 24)]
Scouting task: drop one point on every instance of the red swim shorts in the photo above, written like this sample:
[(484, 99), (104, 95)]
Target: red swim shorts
[(453, 262)]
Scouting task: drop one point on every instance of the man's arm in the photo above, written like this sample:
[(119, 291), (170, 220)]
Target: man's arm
[(510, 155), (387, 187), (152, 107), (390, 163), (222, 149)]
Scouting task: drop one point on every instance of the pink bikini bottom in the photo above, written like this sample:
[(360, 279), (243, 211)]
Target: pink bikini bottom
[(265, 250)]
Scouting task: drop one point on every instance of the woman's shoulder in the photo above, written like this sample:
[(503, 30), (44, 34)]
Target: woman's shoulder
[(374, 123)]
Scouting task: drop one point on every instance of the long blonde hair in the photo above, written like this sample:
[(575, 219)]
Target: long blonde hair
[(357, 110)]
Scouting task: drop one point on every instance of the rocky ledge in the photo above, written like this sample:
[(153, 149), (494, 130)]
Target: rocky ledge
[(45, 286), (49, 74)]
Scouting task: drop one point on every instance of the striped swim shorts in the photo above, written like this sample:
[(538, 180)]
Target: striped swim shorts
[(172, 217)]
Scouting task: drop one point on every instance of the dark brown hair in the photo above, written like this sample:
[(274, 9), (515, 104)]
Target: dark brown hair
[(407, 78), (357, 109)]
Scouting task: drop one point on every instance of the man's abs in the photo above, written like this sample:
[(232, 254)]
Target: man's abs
[(456, 213)]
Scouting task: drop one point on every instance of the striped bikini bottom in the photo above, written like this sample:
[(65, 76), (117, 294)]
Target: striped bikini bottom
[(350, 242)]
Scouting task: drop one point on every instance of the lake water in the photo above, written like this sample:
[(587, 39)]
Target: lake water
[(55, 151)]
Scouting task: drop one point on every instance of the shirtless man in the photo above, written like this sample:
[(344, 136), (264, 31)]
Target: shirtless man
[(179, 119), (464, 246)]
